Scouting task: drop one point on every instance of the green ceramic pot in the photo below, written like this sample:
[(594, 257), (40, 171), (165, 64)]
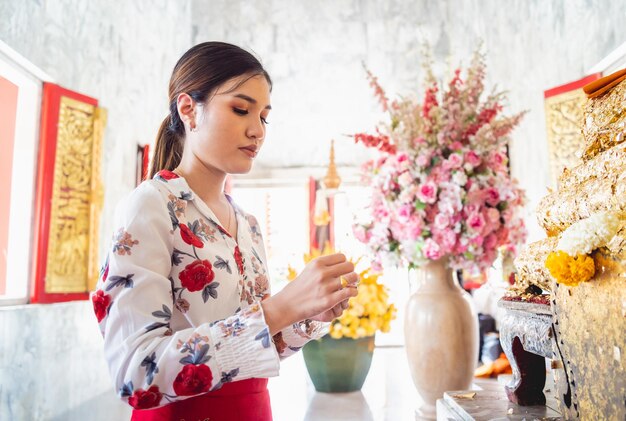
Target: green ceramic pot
[(338, 365)]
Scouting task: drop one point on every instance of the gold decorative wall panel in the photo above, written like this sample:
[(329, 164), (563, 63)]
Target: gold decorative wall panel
[(563, 115), (76, 199)]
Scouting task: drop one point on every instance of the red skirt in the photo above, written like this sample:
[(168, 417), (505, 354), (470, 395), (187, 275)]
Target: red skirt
[(245, 400)]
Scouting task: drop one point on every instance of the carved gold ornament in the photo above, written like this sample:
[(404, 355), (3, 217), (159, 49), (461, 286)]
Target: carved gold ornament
[(77, 196)]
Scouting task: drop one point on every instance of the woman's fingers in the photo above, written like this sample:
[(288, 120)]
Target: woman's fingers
[(351, 279), (343, 295), (332, 259), (340, 269)]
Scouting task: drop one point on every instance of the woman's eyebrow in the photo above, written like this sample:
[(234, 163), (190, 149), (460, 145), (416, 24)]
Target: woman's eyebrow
[(251, 100)]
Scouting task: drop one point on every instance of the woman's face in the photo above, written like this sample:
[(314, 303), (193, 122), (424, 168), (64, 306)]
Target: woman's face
[(230, 126)]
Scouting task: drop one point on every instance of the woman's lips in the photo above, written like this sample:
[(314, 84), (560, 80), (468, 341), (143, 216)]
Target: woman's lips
[(249, 151)]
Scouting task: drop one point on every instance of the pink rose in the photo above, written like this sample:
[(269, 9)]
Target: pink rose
[(456, 146), (423, 160), (490, 241), (492, 196), (472, 158), (404, 213), (476, 222), (497, 161), (493, 215), (442, 221), (477, 241), (471, 208), (414, 227), (447, 240), (431, 250), (454, 161), (427, 192)]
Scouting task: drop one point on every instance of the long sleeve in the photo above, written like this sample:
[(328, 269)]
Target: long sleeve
[(151, 363)]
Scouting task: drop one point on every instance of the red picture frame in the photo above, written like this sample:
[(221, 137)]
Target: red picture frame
[(46, 159)]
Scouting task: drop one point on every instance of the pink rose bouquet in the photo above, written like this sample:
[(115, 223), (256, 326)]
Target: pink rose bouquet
[(441, 182)]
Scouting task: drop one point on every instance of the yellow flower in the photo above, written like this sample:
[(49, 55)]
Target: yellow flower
[(568, 270), (291, 273)]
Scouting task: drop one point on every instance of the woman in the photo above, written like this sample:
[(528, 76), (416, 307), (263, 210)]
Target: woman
[(190, 328)]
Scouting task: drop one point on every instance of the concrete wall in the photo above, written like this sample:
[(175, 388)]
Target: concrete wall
[(122, 52)]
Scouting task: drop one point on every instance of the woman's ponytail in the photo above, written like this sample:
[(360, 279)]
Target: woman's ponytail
[(168, 148)]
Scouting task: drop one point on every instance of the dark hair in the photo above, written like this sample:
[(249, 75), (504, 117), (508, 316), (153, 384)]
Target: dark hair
[(199, 73)]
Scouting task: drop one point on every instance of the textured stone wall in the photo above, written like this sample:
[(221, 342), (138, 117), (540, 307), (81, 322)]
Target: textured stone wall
[(314, 52), (121, 52), (52, 365)]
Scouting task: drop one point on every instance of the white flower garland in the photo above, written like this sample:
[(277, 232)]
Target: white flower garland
[(589, 234)]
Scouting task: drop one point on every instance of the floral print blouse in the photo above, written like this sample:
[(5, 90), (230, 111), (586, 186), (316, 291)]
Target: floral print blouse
[(178, 298)]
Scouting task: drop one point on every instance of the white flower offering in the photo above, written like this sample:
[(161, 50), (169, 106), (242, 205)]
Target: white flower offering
[(591, 233)]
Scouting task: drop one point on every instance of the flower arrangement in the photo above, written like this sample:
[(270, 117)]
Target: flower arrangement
[(368, 312), (571, 264), (441, 185)]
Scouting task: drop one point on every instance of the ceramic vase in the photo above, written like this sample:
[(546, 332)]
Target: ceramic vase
[(441, 335), (338, 365)]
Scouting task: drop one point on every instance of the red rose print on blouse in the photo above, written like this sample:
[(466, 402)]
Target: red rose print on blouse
[(144, 399), (238, 259), (101, 302), (189, 237), (193, 379), (223, 231), (197, 275), (167, 175)]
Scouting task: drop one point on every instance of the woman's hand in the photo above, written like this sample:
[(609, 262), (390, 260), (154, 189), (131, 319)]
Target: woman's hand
[(317, 293), (351, 281)]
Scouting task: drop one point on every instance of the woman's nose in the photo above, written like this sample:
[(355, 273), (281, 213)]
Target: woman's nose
[(256, 130)]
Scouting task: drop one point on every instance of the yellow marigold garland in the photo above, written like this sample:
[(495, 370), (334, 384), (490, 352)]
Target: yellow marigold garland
[(569, 270)]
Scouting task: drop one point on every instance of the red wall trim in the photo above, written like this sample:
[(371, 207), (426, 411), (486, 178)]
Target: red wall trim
[(577, 84)]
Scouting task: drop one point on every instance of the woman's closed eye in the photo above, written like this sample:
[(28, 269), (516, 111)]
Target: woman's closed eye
[(240, 111)]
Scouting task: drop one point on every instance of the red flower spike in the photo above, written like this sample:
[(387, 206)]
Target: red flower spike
[(380, 142)]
